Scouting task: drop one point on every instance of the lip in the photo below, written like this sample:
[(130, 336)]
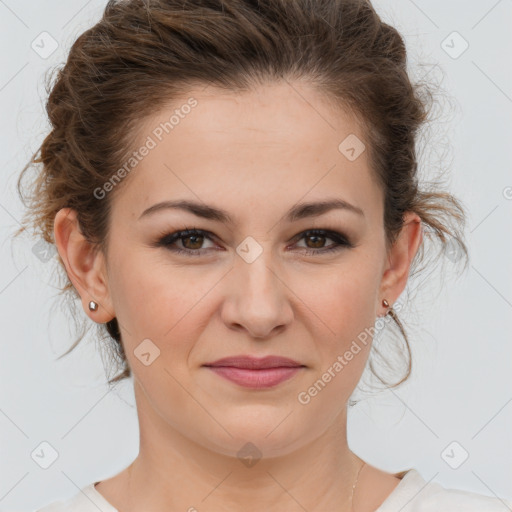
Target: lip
[(255, 363), (255, 373)]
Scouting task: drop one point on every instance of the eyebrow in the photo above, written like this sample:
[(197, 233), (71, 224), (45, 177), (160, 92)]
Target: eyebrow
[(297, 212)]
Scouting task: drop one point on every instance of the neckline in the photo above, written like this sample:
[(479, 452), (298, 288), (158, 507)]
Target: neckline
[(394, 499), (103, 501), (410, 481)]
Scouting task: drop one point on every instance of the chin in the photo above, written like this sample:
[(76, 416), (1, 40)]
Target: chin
[(272, 434)]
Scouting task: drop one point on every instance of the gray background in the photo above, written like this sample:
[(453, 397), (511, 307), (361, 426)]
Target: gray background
[(461, 388)]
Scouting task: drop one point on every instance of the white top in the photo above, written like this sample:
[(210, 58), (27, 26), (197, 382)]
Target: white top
[(412, 494)]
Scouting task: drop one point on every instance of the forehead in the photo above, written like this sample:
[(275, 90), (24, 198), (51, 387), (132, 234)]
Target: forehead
[(277, 143)]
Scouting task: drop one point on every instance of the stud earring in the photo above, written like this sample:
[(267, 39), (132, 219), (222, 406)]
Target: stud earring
[(93, 306), (385, 303)]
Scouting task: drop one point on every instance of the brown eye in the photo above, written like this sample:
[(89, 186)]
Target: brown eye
[(318, 241), (191, 240), (315, 241), (196, 241)]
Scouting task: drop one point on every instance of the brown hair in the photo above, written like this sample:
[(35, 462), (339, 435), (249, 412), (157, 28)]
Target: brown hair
[(142, 54)]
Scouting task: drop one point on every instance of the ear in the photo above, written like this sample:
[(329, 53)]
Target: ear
[(85, 265), (399, 258)]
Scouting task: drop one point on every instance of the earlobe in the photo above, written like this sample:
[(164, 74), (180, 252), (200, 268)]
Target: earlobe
[(85, 266), (400, 257)]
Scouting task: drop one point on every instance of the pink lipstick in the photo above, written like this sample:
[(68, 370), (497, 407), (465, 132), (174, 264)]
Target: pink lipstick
[(256, 373)]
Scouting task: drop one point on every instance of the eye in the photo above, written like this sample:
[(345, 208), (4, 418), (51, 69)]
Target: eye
[(318, 237), (192, 241)]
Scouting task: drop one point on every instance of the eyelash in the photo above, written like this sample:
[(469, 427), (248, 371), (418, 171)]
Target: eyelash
[(341, 242)]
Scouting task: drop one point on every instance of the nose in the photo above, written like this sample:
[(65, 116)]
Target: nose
[(258, 298)]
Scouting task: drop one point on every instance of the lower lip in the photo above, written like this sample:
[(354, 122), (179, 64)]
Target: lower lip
[(256, 379)]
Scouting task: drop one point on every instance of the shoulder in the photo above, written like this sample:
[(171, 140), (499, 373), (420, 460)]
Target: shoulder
[(87, 500), (414, 494)]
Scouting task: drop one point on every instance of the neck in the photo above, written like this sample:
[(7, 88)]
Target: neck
[(173, 471)]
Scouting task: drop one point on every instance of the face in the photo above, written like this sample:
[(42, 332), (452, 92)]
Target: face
[(257, 284)]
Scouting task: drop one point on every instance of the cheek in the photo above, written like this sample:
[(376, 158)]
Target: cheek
[(342, 315), (343, 297), (157, 300)]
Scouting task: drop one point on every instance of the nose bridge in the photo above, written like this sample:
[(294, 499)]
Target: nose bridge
[(258, 296), (255, 265)]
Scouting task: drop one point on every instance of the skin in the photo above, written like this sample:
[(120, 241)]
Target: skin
[(255, 155)]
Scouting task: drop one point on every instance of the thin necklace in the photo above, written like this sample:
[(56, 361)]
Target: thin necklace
[(354, 488)]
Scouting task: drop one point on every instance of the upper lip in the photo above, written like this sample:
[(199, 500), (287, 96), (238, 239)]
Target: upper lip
[(253, 363)]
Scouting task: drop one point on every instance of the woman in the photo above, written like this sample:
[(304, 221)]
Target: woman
[(232, 189)]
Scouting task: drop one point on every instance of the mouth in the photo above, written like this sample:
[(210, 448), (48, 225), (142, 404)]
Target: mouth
[(256, 373), (255, 363)]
